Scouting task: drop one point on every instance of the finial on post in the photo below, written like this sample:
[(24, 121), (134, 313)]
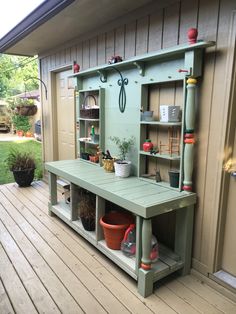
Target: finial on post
[(76, 67), (192, 35)]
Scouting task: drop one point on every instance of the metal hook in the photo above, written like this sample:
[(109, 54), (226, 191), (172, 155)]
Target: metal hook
[(36, 78), (121, 82)]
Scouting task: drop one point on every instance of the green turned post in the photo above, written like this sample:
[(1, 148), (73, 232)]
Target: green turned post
[(138, 243), (189, 140), (52, 181), (188, 166), (146, 244), (145, 274)]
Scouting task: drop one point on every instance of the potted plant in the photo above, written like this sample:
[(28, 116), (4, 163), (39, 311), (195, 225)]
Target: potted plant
[(94, 154), (123, 166), (22, 164), (87, 209), (21, 123), (84, 154)]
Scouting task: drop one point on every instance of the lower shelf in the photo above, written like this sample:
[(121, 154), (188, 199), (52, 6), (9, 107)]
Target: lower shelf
[(167, 263), (63, 212), (126, 263)]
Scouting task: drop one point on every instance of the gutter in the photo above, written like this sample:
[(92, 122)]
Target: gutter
[(36, 18)]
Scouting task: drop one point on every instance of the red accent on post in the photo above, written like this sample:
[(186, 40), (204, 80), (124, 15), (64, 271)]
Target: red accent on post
[(187, 188), (189, 135), (146, 266), (189, 141), (181, 70), (192, 35)]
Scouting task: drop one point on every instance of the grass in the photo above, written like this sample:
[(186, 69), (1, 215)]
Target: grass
[(34, 147)]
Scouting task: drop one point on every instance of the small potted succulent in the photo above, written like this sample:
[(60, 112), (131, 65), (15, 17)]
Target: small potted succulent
[(23, 165), (123, 166)]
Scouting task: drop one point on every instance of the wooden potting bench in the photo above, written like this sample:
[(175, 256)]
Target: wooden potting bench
[(145, 200), (164, 71)]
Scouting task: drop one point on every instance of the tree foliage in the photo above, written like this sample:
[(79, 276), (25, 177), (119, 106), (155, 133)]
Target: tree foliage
[(16, 73)]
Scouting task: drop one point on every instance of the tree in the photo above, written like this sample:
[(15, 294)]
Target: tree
[(16, 73)]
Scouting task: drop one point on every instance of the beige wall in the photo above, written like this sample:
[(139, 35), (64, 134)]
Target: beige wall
[(152, 29)]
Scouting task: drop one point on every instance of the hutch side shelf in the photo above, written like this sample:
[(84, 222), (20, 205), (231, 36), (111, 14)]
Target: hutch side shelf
[(143, 197), (85, 142)]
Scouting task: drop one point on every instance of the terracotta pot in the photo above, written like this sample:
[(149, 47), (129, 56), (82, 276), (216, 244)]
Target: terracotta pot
[(114, 226), (20, 133), (94, 159), (28, 134)]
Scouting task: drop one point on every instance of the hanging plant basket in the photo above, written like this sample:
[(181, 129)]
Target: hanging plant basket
[(27, 110)]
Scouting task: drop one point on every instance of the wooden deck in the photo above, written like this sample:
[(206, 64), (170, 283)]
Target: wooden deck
[(45, 267)]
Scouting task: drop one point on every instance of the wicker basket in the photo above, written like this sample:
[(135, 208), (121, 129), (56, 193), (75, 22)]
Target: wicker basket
[(26, 110), (88, 111), (122, 169), (108, 165)]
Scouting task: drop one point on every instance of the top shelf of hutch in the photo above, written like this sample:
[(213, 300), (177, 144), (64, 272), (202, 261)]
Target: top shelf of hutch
[(139, 61)]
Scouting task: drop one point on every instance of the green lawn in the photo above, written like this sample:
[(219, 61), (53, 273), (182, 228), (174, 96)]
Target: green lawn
[(34, 147)]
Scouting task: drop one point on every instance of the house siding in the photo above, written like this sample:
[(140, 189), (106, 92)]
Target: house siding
[(158, 28)]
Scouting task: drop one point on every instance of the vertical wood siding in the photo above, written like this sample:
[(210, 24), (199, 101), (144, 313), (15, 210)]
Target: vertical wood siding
[(162, 28)]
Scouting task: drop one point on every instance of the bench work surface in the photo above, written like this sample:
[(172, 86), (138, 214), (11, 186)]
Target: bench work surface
[(140, 197)]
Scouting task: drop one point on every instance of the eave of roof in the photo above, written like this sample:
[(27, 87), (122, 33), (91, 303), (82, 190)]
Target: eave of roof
[(57, 22), (39, 16)]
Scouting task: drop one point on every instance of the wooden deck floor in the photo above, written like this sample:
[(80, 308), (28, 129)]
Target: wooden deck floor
[(45, 267)]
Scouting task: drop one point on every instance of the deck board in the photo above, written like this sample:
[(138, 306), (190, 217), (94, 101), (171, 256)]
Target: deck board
[(41, 251), (5, 304)]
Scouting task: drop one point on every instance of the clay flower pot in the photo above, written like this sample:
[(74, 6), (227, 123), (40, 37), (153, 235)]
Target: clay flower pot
[(114, 226)]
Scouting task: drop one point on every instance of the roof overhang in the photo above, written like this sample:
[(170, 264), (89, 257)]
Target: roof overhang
[(56, 22)]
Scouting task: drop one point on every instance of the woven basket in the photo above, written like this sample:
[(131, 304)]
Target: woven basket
[(108, 165), (87, 111), (122, 169), (27, 110)]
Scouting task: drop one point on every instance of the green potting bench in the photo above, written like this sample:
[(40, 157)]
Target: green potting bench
[(144, 200), (169, 71)]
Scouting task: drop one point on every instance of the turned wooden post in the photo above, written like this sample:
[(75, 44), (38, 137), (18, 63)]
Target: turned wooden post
[(145, 274), (189, 140), (146, 244)]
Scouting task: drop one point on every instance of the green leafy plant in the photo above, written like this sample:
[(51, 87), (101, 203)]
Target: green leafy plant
[(17, 160), (20, 102), (21, 122), (124, 145)]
